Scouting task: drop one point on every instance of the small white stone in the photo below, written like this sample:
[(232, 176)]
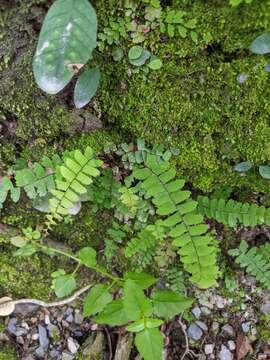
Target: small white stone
[(231, 345), (72, 345), (208, 349), (196, 312), (35, 337), (47, 319)]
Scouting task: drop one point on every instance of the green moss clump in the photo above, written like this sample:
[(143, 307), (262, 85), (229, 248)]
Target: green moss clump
[(25, 277), (7, 353)]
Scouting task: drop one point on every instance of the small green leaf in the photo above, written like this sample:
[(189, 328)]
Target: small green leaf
[(264, 171), (191, 24), (153, 323), (137, 326), (87, 255), (18, 241), (86, 87), (64, 285), (243, 166), (155, 64), (167, 304), (182, 31), (194, 36), (142, 59), (150, 344), (261, 45), (136, 304), (141, 279), (117, 54), (135, 52), (113, 314), (26, 250), (96, 300)]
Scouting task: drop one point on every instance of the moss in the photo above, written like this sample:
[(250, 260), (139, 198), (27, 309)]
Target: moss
[(25, 277), (7, 353)]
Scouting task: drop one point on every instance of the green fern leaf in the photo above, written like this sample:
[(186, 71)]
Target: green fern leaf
[(72, 180), (232, 213), (253, 261), (195, 247)]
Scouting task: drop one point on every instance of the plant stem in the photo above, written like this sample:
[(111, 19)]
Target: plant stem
[(98, 269)]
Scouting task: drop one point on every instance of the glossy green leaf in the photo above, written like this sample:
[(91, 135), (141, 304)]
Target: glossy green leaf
[(155, 64), (66, 41), (96, 300), (264, 171), (141, 279), (136, 303), (243, 166), (261, 45), (87, 255), (114, 314), (167, 304), (86, 87), (142, 59), (135, 52), (64, 285), (150, 344)]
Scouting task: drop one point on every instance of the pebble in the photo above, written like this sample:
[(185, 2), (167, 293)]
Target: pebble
[(43, 337), (69, 311), (205, 311), (53, 330), (72, 345), (231, 345), (225, 353), (265, 308), (228, 330), (13, 329), (246, 327), (202, 325), (70, 318), (47, 319), (35, 337), (20, 340), (67, 356), (78, 318), (196, 312), (40, 352), (54, 354), (194, 332), (220, 302), (208, 349), (215, 326)]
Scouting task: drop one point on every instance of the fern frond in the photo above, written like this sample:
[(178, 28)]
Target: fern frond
[(253, 262), (72, 180), (232, 212), (145, 240), (185, 226)]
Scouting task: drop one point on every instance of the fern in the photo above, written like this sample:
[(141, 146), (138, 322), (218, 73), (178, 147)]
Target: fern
[(115, 236), (184, 225), (72, 180), (145, 240), (253, 262), (36, 180), (232, 212)]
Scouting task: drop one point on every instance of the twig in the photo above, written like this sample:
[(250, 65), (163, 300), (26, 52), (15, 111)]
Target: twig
[(109, 343), (48, 305), (187, 351)]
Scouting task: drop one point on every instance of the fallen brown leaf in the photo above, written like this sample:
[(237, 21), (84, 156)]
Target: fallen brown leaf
[(243, 346)]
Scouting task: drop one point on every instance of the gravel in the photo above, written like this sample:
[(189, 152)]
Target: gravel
[(194, 332), (208, 349), (246, 327), (196, 312), (228, 330), (43, 337), (231, 345), (225, 353), (72, 345), (265, 308)]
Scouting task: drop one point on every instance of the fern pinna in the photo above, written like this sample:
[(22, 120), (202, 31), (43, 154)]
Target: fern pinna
[(185, 226), (253, 261), (72, 179), (230, 212)]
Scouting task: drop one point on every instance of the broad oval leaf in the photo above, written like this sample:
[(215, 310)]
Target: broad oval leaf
[(261, 45), (150, 344), (113, 314), (264, 171), (243, 166), (64, 285), (86, 87), (96, 300), (66, 41), (87, 255), (6, 308)]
